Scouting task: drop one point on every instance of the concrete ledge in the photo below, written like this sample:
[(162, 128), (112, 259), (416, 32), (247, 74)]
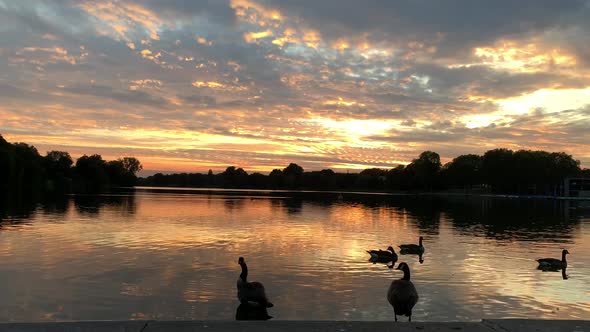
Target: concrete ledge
[(296, 326), (311, 326), (85, 326), (528, 325)]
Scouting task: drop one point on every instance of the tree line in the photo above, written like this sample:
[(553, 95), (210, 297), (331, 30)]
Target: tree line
[(25, 173), (496, 171)]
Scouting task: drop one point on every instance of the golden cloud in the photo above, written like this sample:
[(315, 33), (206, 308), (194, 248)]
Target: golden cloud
[(213, 85)]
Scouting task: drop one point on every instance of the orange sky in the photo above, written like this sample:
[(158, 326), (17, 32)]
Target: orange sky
[(189, 86)]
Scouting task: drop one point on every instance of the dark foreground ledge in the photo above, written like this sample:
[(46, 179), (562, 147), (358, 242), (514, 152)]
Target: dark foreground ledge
[(505, 325)]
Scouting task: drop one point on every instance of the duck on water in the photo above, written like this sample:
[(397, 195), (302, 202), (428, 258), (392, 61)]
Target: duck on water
[(415, 249), (383, 255), (553, 263), (252, 291)]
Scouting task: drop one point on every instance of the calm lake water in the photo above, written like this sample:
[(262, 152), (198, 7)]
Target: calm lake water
[(173, 255)]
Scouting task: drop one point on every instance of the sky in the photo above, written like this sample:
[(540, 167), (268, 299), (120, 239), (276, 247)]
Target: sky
[(187, 86)]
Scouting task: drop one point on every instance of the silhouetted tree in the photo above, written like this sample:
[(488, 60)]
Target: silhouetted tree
[(496, 167), (234, 177), (292, 174), (91, 173), (257, 180), (424, 170), (276, 178), (293, 169), (7, 164), (58, 162), (24, 172), (372, 179), (21, 170), (122, 172), (58, 165), (29, 172), (397, 178), (131, 164), (464, 171)]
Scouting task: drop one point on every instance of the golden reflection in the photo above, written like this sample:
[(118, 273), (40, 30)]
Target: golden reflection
[(179, 249)]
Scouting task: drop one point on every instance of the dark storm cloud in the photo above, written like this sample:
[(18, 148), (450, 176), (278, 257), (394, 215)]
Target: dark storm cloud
[(217, 11), (485, 81), (199, 100), (463, 23)]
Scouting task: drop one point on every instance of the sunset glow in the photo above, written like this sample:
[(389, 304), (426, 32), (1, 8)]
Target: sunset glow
[(260, 84)]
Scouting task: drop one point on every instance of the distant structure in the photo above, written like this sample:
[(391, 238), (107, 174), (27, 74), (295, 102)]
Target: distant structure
[(576, 187)]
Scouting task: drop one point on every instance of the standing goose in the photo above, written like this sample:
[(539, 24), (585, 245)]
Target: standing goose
[(383, 255), (553, 263), (412, 248), (402, 294), (247, 311), (250, 291)]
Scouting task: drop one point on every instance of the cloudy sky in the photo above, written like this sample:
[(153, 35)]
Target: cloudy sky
[(191, 85)]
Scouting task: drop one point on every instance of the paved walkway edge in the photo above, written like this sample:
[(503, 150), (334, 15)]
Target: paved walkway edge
[(502, 325)]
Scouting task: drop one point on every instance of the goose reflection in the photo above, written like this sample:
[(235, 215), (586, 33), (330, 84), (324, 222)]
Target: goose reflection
[(562, 270), (564, 275), (248, 311), (388, 262)]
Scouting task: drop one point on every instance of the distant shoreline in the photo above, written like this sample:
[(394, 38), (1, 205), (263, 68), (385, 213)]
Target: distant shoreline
[(337, 193)]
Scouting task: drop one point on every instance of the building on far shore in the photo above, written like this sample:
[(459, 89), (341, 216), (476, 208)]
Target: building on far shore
[(576, 187)]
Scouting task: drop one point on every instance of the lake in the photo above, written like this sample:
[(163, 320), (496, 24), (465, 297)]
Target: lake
[(172, 254)]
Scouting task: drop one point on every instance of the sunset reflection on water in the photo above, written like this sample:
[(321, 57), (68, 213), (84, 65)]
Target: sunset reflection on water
[(173, 255)]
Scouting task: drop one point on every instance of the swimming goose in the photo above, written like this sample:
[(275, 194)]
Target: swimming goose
[(412, 248), (250, 291), (402, 294), (383, 255), (553, 263)]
